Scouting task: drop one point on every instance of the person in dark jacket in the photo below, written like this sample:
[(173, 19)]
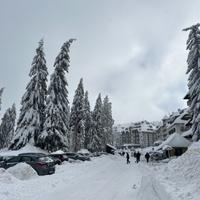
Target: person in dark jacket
[(135, 156), (127, 158), (147, 156), (138, 157)]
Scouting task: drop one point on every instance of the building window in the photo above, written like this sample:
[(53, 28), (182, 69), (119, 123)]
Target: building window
[(172, 131)]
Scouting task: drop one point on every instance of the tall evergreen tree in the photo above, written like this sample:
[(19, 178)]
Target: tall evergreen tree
[(1, 92), (107, 121), (193, 61), (7, 127), (77, 119), (97, 127), (31, 117), (55, 134), (88, 121)]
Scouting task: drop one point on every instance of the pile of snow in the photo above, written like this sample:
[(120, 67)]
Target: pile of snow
[(181, 176), (5, 177), (187, 165), (22, 171), (151, 189)]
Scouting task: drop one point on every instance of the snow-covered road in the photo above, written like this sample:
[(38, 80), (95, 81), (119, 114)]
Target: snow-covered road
[(105, 178)]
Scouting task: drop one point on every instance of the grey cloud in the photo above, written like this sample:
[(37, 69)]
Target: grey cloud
[(132, 50)]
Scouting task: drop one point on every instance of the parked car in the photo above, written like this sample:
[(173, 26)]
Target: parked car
[(97, 154), (86, 154), (32, 153), (42, 164), (3, 160), (83, 157), (56, 161), (157, 155), (59, 158), (76, 156)]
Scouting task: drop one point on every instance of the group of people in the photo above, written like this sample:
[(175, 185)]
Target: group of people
[(137, 156)]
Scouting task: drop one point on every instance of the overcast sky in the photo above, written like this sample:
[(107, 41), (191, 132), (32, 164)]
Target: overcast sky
[(132, 50)]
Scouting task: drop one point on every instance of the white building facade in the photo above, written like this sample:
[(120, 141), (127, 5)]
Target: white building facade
[(140, 134)]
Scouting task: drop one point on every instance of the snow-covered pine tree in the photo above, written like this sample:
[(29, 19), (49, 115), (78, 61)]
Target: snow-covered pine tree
[(31, 117), (107, 121), (97, 127), (7, 127), (88, 121), (77, 119), (1, 92), (55, 134), (193, 61)]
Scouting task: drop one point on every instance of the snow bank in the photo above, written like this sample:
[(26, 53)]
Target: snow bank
[(22, 171), (151, 189), (5, 177), (181, 176), (187, 165)]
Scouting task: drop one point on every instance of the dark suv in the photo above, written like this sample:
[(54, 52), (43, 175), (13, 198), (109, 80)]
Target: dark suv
[(41, 163)]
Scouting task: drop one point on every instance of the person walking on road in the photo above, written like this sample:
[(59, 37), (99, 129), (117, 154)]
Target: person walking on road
[(147, 156), (127, 158), (135, 156), (138, 157)]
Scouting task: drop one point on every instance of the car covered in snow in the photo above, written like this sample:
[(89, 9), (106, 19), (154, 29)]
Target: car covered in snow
[(97, 154), (41, 163), (59, 158), (84, 157), (85, 152), (77, 156)]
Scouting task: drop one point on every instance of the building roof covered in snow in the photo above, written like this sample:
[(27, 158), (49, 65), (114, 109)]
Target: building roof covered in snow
[(187, 133), (176, 141), (182, 118), (112, 147)]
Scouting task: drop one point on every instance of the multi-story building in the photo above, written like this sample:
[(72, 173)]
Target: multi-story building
[(130, 136), (177, 122), (144, 133), (141, 134)]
